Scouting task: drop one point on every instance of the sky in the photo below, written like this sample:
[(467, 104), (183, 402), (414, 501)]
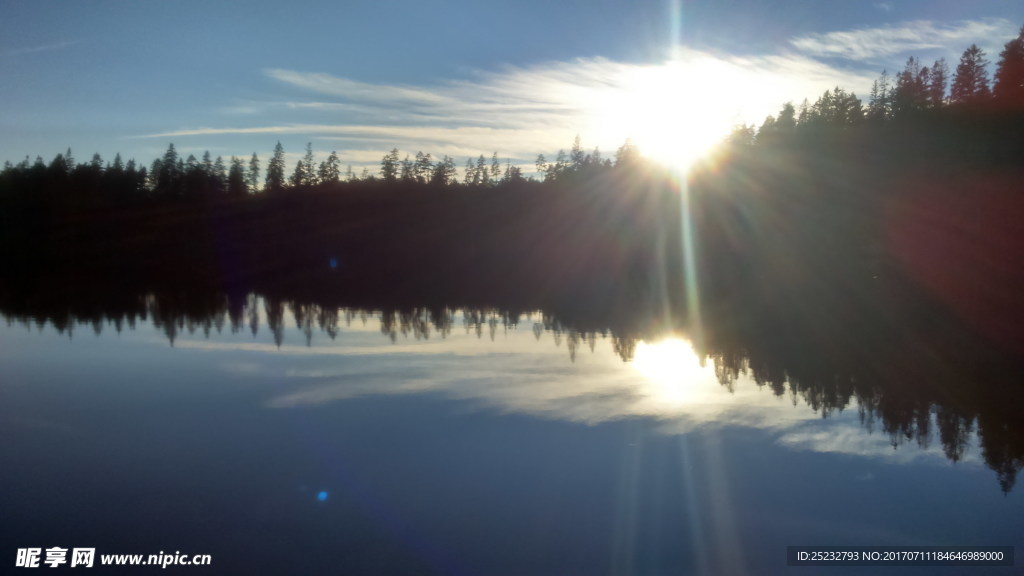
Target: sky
[(457, 78)]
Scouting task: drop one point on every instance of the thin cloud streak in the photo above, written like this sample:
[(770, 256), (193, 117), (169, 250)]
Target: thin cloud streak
[(874, 43), (335, 86), (40, 48)]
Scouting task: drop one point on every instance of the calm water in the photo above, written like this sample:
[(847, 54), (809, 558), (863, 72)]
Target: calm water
[(461, 443)]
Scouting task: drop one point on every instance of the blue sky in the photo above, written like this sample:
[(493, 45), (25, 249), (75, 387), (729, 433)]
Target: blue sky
[(458, 78)]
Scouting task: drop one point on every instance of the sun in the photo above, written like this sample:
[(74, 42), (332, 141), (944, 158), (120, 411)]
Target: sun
[(673, 375), (676, 113)]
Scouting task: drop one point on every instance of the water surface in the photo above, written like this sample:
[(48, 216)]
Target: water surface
[(281, 438)]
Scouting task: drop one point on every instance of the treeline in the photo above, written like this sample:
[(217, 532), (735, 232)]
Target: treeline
[(915, 97), (915, 91), (173, 177), (805, 208), (589, 232)]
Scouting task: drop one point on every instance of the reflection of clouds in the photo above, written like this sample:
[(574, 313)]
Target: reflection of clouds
[(242, 368), (301, 350), (844, 435), (343, 388), (517, 377), (598, 388), (522, 373)]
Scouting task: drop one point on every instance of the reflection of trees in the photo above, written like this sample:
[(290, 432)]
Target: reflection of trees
[(275, 319), (954, 431), (896, 391)]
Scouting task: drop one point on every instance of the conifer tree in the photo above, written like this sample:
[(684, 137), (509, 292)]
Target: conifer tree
[(237, 184), (309, 176), (576, 155), (480, 175), (253, 174), (1009, 76), (787, 117), (389, 166), (275, 170), (911, 92), (170, 173), (207, 163), (937, 84), (444, 172), (424, 167), (495, 169), (298, 175), (219, 176), (407, 170), (879, 101), (330, 169), (970, 85)]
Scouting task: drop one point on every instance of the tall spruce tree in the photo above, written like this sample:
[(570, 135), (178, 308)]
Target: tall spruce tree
[(880, 100), (970, 85), (299, 175), (1009, 76), (937, 84), (911, 92), (169, 179), (275, 170), (309, 175), (253, 174), (237, 184), (219, 176)]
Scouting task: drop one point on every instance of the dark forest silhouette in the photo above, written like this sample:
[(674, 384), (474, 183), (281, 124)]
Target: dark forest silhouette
[(838, 251)]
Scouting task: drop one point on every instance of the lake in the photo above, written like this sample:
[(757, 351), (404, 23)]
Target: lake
[(285, 437)]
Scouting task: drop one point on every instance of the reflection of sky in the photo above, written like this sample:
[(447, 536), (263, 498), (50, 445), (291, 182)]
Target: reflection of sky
[(520, 373), (457, 454), (516, 372)]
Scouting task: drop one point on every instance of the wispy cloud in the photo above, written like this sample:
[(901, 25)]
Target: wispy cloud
[(40, 48), (334, 86), (521, 111), (875, 43)]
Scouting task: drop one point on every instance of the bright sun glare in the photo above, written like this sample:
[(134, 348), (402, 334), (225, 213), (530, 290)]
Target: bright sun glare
[(673, 374), (670, 110)]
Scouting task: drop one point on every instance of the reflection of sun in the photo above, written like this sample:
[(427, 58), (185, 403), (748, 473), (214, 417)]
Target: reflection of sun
[(676, 112), (673, 374)]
